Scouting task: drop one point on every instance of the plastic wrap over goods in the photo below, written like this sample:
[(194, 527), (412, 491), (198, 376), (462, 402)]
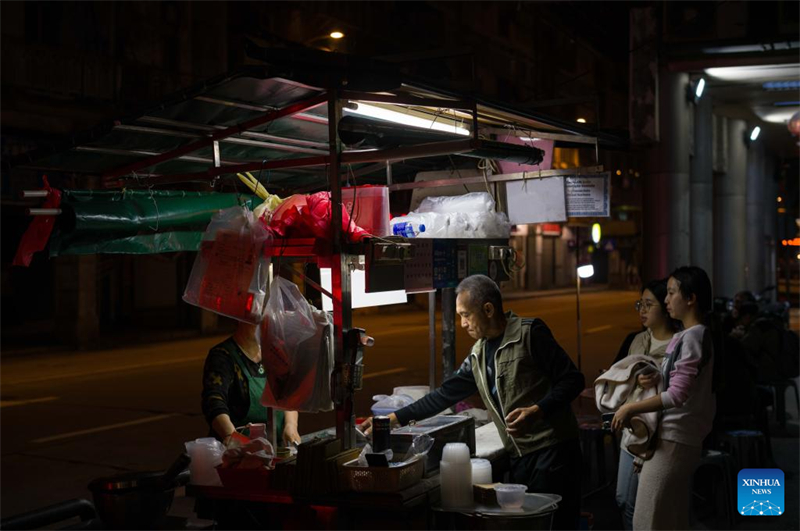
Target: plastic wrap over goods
[(229, 276), (467, 216), (297, 342)]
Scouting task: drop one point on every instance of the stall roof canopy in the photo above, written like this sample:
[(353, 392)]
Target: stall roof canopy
[(274, 116)]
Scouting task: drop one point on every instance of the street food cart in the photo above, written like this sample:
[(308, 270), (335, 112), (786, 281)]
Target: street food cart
[(292, 122)]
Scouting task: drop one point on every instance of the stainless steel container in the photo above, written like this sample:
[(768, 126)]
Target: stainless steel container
[(444, 429)]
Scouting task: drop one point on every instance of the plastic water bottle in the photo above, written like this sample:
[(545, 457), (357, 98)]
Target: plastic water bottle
[(406, 229)]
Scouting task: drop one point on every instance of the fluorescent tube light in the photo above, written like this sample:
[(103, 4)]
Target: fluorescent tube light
[(382, 113), (754, 134), (755, 74)]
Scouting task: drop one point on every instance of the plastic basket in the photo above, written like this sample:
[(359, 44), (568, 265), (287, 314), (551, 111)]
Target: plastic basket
[(380, 479)]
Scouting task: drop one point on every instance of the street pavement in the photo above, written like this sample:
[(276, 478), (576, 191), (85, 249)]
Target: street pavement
[(69, 417)]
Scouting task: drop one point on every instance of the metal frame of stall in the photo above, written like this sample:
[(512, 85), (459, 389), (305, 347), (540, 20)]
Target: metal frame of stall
[(347, 369)]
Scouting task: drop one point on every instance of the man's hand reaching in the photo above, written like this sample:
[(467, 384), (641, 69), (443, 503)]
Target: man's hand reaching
[(521, 419)]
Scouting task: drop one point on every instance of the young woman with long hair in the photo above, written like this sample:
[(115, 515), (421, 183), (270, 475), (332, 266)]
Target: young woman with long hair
[(653, 341), (687, 402)]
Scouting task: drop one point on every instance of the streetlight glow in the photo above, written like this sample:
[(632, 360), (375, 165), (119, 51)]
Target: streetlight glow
[(596, 233), (337, 35), (581, 120), (586, 271)]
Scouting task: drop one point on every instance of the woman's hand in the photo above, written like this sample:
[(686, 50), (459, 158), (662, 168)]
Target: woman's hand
[(522, 418), (622, 418), (290, 434), (649, 380)]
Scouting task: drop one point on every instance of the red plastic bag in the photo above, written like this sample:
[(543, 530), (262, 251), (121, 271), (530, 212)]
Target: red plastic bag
[(302, 216), (36, 237)]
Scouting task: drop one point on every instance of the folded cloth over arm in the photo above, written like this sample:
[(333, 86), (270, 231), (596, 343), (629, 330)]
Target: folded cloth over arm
[(618, 386)]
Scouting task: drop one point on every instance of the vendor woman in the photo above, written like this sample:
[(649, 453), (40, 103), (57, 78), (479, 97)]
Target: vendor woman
[(233, 380)]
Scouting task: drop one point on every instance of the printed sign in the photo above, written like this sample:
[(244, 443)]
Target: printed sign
[(760, 492), (419, 270), (588, 196)]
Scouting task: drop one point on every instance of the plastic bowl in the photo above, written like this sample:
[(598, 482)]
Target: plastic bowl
[(510, 496)]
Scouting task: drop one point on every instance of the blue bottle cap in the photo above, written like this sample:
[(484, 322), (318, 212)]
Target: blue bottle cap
[(422, 228)]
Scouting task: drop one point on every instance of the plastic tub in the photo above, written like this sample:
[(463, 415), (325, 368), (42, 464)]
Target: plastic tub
[(414, 391), (510, 496), (370, 208)]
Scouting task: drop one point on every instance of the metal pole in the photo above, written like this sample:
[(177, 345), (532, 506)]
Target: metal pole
[(344, 359), (388, 173), (578, 289), (448, 332), (578, 310), (432, 339)]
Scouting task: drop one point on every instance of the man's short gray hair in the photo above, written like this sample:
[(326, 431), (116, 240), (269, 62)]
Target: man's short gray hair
[(481, 289)]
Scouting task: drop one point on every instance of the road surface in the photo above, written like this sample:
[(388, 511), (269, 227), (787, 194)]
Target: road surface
[(68, 418)]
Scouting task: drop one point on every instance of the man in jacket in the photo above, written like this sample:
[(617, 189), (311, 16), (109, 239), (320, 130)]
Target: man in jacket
[(527, 383)]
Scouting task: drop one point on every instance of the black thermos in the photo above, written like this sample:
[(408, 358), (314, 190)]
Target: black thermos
[(381, 433)]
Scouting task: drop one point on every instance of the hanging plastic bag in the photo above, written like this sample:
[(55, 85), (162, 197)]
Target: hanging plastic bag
[(300, 380), (289, 321), (229, 276)]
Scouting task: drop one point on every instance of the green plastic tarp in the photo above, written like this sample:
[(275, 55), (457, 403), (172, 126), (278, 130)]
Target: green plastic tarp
[(138, 221)]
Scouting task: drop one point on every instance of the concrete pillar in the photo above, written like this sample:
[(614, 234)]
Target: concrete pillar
[(755, 203), (702, 191), (76, 300), (770, 222), (667, 183), (731, 216)]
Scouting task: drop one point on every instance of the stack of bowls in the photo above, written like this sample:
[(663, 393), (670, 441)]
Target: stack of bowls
[(456, 476), (481, 471)]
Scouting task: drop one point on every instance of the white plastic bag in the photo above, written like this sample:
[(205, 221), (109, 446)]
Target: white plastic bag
[(289, 322), (300, 380), (229, 276), (386, 404), (471, 202), (205, 454)]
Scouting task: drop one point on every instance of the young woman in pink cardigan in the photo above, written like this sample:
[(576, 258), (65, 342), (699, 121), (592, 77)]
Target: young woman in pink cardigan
[(688, 405)]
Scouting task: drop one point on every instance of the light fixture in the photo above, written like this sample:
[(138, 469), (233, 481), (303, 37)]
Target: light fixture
[(360, 298), (754, 133), (586, 271), (440, 124), (596, 233), (619, 172), (780, 199), (776, 114), (581, 120), (755, 74), (698, 90), (337, 35)]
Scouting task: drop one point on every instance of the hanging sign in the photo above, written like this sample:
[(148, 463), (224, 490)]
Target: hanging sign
[(536, 200), (588, 196)]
